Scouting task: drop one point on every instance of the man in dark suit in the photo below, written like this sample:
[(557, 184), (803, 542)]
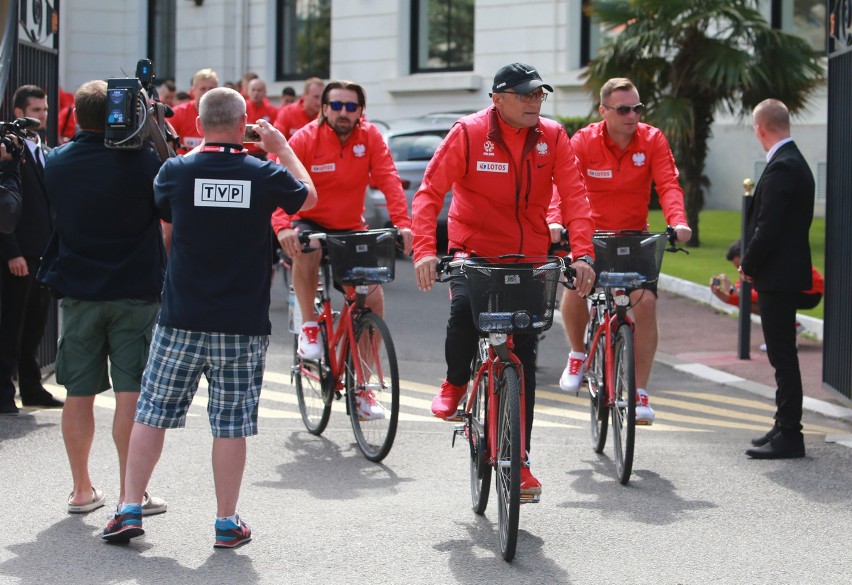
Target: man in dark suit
[(24, 304), (777, 260)]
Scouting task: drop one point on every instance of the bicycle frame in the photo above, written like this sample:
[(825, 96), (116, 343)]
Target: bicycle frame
[(496, 353), (611, 320)]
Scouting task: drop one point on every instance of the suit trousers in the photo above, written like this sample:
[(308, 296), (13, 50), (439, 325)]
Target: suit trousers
[(778, 319), (24, 306), (462, 344)]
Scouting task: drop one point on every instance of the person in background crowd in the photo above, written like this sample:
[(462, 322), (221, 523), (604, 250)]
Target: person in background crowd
[(293, 116), (187, 113)]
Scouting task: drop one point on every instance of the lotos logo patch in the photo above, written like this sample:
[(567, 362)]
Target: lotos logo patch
[(599, 174), (326, 168), (492, 167)]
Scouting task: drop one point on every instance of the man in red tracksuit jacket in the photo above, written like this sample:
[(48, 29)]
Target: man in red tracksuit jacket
[(620, 158), (343, 153), (301, 113), (501, 164), (186, 113)]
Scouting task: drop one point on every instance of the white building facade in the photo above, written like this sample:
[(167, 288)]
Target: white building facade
[(373, 41)]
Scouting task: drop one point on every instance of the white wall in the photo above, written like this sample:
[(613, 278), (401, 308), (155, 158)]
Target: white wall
[(371, 45)]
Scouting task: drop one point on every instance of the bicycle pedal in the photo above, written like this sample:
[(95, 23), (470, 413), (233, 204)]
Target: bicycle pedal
[(457, 432), (644, 423), (530, 499), (457, 417)]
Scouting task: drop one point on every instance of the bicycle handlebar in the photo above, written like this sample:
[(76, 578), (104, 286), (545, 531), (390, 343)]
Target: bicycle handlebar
[(447, 263)]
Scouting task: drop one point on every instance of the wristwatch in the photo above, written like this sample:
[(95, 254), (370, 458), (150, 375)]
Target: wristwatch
[(587, 259)]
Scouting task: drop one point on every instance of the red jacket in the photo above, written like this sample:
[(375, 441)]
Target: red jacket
[(292, 117), (818, 288), (341, 174), (619, 182), (502, 180), (184, 124)]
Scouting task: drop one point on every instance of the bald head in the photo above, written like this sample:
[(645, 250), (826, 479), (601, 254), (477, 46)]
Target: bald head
[(773, 115)]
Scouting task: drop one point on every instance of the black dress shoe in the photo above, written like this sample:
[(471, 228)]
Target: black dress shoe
[(9, 409), (761, 441), (45, 400), (782, 446)]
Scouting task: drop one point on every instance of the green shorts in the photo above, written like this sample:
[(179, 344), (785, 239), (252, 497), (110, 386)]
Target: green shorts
[(97, 332)]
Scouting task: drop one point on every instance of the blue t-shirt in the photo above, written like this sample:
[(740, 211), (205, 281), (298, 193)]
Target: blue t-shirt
[(220, 203)]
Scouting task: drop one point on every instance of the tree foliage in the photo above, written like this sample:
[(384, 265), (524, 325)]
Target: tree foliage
[(693, 59)]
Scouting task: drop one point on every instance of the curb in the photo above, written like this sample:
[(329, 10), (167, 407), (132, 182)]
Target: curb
[(702, 294)]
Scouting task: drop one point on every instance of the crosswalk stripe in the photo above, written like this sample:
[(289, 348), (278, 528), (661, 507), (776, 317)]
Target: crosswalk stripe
[(704, 411)]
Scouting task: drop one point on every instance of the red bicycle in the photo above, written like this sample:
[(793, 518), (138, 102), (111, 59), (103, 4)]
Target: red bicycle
[(626, 261), (358, 354), (508, 295)]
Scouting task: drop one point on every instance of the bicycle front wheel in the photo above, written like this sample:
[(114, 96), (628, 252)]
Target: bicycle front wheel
[(596, 381), (509, 460), (373, 394), (480, 468), (624, 409), (313, 388)]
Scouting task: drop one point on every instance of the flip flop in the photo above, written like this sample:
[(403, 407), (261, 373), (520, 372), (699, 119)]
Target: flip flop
[(96, 502)]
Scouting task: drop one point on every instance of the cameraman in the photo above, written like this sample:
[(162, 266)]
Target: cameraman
[(24, 305), (10, 190), (106, 260)]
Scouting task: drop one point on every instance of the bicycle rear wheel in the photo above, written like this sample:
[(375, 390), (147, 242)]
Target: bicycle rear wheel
[(314, 387), (624, 409), (596, 381), (373, 400), (480, 468), (509, 460)]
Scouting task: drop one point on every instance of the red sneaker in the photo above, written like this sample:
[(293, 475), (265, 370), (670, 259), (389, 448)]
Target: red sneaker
[(446, 402), (530, 486)]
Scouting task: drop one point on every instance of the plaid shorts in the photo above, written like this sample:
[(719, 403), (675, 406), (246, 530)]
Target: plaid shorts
[(232, 364)]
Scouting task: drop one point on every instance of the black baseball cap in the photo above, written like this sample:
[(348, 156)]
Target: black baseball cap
[(518, 77)]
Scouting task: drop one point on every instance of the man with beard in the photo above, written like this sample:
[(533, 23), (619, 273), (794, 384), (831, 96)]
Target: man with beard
[(343, 153)]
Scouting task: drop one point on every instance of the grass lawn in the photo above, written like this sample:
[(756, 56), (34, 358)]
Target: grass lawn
[(718, 229)]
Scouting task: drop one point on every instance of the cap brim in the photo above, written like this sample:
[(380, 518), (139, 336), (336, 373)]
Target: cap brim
[(531, 85)]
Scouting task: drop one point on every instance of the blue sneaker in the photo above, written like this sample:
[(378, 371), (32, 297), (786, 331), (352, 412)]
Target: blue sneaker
[(230, 535), (125, 524)]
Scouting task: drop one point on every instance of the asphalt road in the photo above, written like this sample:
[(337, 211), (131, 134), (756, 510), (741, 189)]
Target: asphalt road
[(696, 510)]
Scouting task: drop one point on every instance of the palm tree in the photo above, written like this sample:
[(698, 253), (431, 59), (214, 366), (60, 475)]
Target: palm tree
[(693, 58)]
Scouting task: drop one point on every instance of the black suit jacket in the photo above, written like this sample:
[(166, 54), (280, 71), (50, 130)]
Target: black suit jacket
[(35, 225), (778, 253)]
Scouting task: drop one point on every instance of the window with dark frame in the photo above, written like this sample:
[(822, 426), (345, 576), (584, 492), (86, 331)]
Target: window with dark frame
[(303, 39), (442, 35), (161, 37)]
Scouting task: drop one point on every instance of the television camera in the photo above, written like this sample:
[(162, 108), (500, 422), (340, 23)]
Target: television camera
[(23, 129), (134, 115)]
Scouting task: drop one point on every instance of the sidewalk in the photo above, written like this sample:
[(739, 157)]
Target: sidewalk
[(702, 340)]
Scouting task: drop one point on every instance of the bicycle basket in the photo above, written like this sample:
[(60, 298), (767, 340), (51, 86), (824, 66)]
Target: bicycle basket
[(362, 257), (512, 297), (639, 254)]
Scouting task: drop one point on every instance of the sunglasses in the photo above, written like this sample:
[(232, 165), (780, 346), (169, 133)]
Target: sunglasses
[(624, 110), (350, 106), (527, 98)]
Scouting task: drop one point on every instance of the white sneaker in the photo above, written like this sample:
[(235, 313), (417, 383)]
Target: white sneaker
[(763, 346), (644, 412), (368, 408), (572, 376), (309, 345)]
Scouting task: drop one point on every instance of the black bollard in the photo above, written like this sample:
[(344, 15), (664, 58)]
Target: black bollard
[(744, 334)]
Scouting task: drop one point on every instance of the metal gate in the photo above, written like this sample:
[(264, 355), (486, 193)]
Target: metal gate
[(29, 54), (837, 346)]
